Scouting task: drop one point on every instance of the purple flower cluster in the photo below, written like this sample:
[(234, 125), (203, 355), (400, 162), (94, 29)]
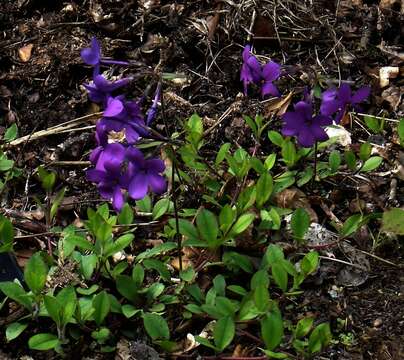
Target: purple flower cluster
[(307, 127), (302, 122), (262, 75), (120, 168)]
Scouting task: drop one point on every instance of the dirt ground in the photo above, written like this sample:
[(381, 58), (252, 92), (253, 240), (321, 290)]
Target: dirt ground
[(41, 77)]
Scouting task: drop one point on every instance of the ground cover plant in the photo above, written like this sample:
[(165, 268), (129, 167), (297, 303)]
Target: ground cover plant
[(269, 229)]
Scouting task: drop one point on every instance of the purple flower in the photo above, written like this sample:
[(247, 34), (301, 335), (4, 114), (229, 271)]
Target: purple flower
[(145, 174), (100, 89), (120, 115), (337, 100), (109, 174), (270, 73), (304, 126), (151, 114), (92, 56), (250, 70), (263, 76)]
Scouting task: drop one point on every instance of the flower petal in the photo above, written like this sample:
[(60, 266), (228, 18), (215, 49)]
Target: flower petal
[(157, 183), (305, 109), (95, 176), (117, 199), (306, 138), (293, 120), (271, 71), (361, 95), (344, 93), (321, 120), (135, 156), (114, 107), (255, 69), (318, 132), (155, 165), (138, 186), (269, 89)]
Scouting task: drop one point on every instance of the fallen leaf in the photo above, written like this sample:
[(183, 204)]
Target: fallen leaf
[(278, 106), (25, 52)]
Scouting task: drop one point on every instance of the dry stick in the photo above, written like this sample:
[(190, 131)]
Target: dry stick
[(53, 130)]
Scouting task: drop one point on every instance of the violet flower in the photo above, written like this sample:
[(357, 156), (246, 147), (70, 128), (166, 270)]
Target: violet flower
[(145, 174), (109, 174), (101, 88), (92, 56), (337, 100), (270, 73), (152, 113), (263, 76), (120, 115), (250, 70), (306, 127)]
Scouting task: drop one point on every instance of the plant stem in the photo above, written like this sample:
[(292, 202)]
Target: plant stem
[(315, 162)]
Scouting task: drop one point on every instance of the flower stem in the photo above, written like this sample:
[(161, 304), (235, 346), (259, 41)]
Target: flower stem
[(315, 162)]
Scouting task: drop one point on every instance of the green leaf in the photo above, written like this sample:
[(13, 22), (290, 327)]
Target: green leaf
[(365, 151), (56, 202), (242, 223), (223, 332), (6, 234), (127, 287), (221, 154), (186, 228), (11, 133), (87, 265), (272, 329), (275, 138), (270, 161), (54, 309), (156, 326), (68, 300), (48, 178), (102, 306), (161, 207), (138, 275), (303, 327), (6, 164), (260, 278), (125, 217), (319, 338), (350, 159), (14, 330), (205, 342), (393, 221), (43, 341), (300, 223), (17, 293), (334, 161), (207, 226), (289, 153), (91, 290), (159, 266), (275, 355), (309, 263), (251, 123), (121, 243), (145, 204), (226, 217), (157, 250), (372, 163), (372, 123), (188, 274), (35, 273), (400, 131), (280, 276), (264, 188), (351, 225), (79, 241), (129, 311), (261, 298)]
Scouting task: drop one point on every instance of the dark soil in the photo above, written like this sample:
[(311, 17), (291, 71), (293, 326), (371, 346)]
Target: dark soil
[(203, 40)]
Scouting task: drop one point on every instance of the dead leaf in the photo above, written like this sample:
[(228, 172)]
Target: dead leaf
[(25, 52), (294, 198), (278, 106), (395, 5), (212, 22)]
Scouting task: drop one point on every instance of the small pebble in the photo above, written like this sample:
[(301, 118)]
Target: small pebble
[(377, 323)]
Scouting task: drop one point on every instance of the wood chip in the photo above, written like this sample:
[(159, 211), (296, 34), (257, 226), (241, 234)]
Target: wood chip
[(25, 52)]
